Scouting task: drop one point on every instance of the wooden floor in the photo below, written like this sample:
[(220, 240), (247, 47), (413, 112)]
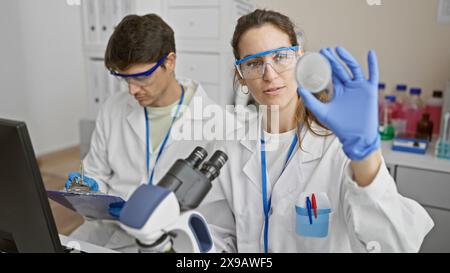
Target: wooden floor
[(54, 170)]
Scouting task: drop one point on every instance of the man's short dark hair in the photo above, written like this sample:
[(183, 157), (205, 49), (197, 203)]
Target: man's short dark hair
[(139, 40)]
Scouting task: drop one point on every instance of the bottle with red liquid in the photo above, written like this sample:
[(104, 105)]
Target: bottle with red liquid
[(401, 94), (434, 108), (414, 110), (425, 127)]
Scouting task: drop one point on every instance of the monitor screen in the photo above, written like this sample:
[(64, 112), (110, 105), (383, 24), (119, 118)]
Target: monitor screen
[(26, 220)]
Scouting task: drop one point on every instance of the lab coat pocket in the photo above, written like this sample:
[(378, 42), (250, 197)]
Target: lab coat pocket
[(315, 244), (313, 215)]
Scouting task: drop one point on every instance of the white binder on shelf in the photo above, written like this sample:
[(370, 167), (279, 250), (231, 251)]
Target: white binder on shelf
[(105, 19)]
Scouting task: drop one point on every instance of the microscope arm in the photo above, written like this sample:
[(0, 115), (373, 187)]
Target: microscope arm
[(153, 212)]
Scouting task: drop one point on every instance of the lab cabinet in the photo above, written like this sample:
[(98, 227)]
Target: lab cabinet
[(197, 66), (432, 190), (203, 31), (101, 85), (425, 179), (100, 17), (90, 24), (429, 188), (199, 23), (96, 85), (438, 240)]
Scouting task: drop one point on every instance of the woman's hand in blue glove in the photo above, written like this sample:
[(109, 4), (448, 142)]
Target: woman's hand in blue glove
[(352, 113)]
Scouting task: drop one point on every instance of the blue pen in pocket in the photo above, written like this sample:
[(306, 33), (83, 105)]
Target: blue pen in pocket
[(309, 207)]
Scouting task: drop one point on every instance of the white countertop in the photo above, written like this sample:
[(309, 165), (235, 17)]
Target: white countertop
[(427, 161)]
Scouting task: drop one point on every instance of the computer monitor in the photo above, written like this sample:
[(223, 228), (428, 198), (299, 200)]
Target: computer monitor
[(26, 220)]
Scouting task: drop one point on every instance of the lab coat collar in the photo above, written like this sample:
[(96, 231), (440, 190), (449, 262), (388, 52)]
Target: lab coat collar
[(312, 145), (312, 149), (136, 116)]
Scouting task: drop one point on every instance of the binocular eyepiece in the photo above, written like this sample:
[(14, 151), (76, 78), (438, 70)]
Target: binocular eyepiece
[(210, 168), (190, 180)]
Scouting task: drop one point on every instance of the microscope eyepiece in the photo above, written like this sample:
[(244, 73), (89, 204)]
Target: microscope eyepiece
[(196, 157), (212, 167)]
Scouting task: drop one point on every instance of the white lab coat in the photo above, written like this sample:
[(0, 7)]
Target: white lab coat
[(375, 218), (117, 158)]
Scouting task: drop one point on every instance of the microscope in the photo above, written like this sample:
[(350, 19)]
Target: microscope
[(162, 218)]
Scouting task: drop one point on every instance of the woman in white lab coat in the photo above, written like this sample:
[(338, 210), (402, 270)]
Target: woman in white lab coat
[(264, 199)]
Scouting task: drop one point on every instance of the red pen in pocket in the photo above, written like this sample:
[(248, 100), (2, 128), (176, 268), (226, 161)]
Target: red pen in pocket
[(314, 205)]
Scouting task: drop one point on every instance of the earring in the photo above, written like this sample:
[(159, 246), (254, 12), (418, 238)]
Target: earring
[(244, 89)]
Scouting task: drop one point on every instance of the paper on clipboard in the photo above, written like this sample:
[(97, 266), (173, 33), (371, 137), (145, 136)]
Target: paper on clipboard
[(89, 205)]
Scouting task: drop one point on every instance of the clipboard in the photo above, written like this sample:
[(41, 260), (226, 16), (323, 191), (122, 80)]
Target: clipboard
[(92, 205)]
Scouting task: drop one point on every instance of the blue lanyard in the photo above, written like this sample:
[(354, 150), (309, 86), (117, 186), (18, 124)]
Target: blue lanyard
[(267, 204), (166, 138)]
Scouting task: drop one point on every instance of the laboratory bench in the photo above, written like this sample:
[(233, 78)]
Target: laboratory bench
[(426, 179)]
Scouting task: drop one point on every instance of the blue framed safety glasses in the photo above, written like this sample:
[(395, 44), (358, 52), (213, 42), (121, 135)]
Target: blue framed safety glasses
[(281, 59), (143, 78)]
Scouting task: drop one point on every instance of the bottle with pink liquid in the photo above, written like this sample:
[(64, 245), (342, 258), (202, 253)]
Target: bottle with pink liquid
[(414, 110), (399, 118)]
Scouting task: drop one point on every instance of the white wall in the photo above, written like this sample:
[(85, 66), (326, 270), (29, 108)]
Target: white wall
[(13, 98), (48, 80), (412, 47)]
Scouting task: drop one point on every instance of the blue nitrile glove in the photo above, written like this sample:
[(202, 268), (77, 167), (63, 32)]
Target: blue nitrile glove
[(91, 182), (352, 114), (115, 209)]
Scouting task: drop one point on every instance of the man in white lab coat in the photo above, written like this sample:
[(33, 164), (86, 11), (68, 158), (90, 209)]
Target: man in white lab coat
[(135, 141)]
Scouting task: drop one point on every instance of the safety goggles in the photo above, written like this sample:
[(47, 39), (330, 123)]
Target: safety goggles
[(282, 59), (143, 78)]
